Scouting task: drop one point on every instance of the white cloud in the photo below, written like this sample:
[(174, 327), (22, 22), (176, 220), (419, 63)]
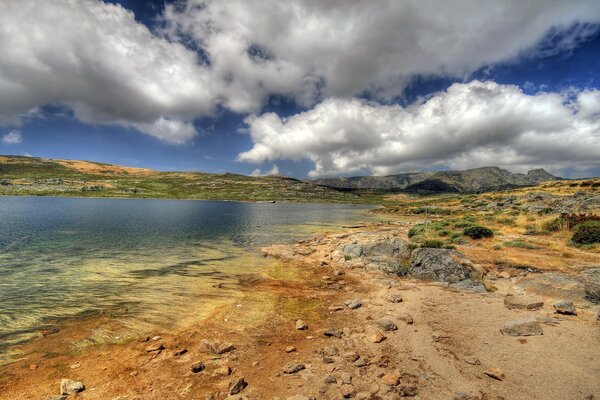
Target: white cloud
[(13, 137), (272, 172), (468, 125)]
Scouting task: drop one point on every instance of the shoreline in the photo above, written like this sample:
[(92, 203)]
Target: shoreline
[(447, 346)]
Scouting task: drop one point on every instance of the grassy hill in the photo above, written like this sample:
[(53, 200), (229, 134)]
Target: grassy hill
[(71, 178)]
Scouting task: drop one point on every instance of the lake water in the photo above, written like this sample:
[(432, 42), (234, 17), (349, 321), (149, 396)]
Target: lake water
[(154, 259)]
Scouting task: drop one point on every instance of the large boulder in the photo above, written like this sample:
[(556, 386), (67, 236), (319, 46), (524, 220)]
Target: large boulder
[(443, 265), (388, 253)]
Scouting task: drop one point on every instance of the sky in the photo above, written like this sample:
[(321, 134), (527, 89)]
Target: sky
[(304, 88)]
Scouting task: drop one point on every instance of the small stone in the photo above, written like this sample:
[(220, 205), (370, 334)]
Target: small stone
[(391, 379), (565, 307), (463, 396), (333, 333), (375, 336), (222, 371), (472, 361), (524, 327), (328, 360), (68, 386), (198, 367), (495, 373), (180, 352), (395, 298), (293, 368), (155, 347), (346, 378), (75, 365), (33, 367), (407, 318), (387, 325), (523, 303), (237, 385), (336, 308), (330, 379), (439, 335), (348, 391), (301, 325), (330, 351), (351, 356), (290, 349), (144, 339), (361, 362), (216, 347), (353, 304), (156, 338), (255, 363)]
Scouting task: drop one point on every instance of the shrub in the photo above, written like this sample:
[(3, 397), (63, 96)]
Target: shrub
[(436, 244), (520, 244), (416, 230), (569, 221), (478, 232), (587, 233)]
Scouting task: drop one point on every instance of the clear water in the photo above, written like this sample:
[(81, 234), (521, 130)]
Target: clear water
[(156, 259)]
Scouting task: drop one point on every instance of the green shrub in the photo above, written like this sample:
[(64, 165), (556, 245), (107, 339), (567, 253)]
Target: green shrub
[(520, 244), (456, 238), (587, 233), (416, 230), (569, 221), (436, 244), (478, 232)]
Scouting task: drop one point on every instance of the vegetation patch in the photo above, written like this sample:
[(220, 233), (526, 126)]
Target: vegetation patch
[(478, 232), (587, 233)]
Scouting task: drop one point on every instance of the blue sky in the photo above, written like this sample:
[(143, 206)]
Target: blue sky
[(557, 54)]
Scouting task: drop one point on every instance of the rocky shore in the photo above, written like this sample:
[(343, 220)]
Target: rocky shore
[(367, 317)]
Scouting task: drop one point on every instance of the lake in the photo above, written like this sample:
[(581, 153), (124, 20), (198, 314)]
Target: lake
[(151, 261)]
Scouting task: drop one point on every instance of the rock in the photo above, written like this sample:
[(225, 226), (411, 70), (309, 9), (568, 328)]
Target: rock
[(216, 347), (237, 385), (394, 298), (442, 265), (59, 397), (346, 378), (495, 373), (352, 251), (336, 308), (391, 379), (407, 318), (523, 327), (565, 307), (472, 360), (351, 356), (523, 302), (301, 325), (330, 379), (333, 333), (181, 352), (463, 396), (361, 362), (353, 304), (347, 391), (155, 347), (224, 370), (375, 336), (33, 367), (331, 351), (198, 367), (156, 338), (290, 349), (387, 325), (68, 386), (293, 368)]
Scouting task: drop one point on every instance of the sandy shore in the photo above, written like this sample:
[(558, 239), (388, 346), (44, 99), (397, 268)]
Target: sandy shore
[(365, 334)]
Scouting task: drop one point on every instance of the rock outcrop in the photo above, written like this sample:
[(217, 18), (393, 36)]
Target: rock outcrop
[(442, 265)]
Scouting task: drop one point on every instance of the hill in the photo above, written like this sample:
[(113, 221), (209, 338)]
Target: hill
[(468, 181), (73, 178)]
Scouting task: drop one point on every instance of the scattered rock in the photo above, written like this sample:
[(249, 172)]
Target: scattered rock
[(407, 318), (237, 385), (472, 360), (391, 379), (216, 347), (361, 362), (198, 367), (301, 325), (387, 325), (155, 347), (347, 391), (353, 304), (179, 353), (290, 349), (293, 368), (346, 378), (523, 303), (33, 367), (464, 396), (394, 298), (68, 386), (333, 333), (375, 336), (495, 373), (565, 307), (351, 356), (330, 379), (156, 338), (221, 371), (336, 308), (523, 327), (144, 339), (331, 351)]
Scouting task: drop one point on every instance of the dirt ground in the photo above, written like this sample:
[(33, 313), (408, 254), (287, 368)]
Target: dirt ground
[(444, 353)]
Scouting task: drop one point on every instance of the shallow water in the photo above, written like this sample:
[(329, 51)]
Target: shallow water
[(151, 261)]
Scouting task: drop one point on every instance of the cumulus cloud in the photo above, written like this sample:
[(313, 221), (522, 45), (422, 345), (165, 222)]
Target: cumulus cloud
[(468, 125), (273, 171), (13, 137), (340, 48)]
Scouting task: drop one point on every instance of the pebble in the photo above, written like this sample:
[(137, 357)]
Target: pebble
[(351, 356), (198, 367), (216, 347), (348, 391), (301, 325), (156, 338), (156, 347), (33, 367), (353, 304), (333, 333), (407, 318), (330, 379), (495, 373), (395, 298), (222, 371), (565, 307), (346, 378), (391, 379), (361, 362), (330, 351), (290, 349), (68, 386), (293, 368), (237, 385), (387, 325), (180, 352), (375, 336)]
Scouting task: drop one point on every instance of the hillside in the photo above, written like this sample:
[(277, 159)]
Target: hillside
[(50, 177), (467, 181)]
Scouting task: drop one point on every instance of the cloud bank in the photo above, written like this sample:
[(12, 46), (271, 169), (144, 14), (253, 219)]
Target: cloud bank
[(468, 125), (96, 59)]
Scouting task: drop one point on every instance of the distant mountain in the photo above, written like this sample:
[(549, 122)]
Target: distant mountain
[(468, 181)]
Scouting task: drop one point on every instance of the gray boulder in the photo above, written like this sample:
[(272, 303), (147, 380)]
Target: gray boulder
[(443, 265), (388, 254)]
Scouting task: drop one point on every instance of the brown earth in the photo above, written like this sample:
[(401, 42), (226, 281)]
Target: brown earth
[(454, 340)]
